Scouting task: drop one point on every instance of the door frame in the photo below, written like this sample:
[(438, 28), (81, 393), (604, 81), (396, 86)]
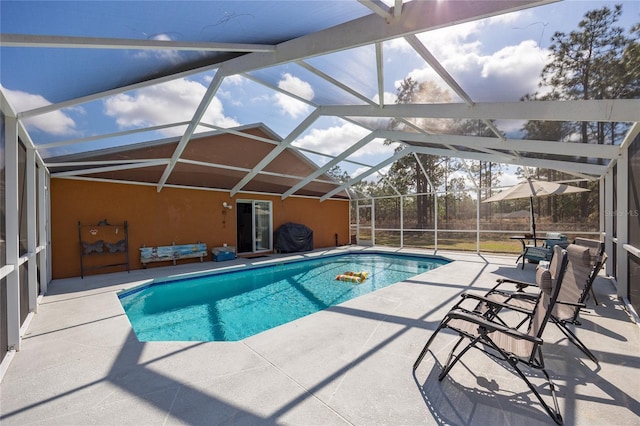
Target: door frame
[(254, 230), (362, 230)]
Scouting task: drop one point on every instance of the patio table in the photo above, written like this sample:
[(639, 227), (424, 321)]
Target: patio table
[(542, 252), (523, 240)]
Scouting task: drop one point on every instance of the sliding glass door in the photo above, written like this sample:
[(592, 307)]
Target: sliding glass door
[(254, 226)]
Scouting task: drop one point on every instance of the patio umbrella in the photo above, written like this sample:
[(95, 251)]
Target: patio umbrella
[(532, 188)]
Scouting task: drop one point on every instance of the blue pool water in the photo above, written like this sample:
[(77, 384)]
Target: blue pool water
[(233, 305)]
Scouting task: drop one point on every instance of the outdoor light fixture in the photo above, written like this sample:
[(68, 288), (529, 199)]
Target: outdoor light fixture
[(227, 205)]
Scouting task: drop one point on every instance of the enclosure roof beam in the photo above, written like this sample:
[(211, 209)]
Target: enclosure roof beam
[(397, 8), (563, 166), (267, 159), (359, 32), (191, 128), (448, 78), (104, 162), (95, 96), (424, 172), (369, 172), (110, 135), (378, 7), (110, 168), (604, 110), (633, 132), (335, 82), (470, 155), (240, 133), (593, 169), (422, 50), (369, 29), (380, 73), (71, 42), (525, 145), (353, 148), (246, 170)]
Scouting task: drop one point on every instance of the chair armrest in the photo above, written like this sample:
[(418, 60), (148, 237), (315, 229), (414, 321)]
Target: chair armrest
[(495, 303), (519, 284), (491, 326)]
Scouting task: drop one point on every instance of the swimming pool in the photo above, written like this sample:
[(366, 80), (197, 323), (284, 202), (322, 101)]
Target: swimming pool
[(230, 306)]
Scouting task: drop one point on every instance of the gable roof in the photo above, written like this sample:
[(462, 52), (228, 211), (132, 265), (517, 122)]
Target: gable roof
[(214, 160)]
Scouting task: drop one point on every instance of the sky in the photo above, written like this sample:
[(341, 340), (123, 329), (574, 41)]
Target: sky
[(495, 59)]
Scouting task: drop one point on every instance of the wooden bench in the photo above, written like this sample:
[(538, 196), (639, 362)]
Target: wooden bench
[(173, 252)]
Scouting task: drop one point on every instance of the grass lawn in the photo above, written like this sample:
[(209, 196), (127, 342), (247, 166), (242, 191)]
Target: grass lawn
[(450, 242)]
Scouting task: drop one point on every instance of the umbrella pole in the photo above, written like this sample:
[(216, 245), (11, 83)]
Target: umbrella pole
[(533, 221)]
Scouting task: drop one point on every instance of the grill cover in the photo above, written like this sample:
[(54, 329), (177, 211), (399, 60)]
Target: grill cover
[(292, 237)]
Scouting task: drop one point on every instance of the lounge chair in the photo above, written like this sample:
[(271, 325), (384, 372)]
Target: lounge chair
[(598, 258), (503, 342), (586, 258)]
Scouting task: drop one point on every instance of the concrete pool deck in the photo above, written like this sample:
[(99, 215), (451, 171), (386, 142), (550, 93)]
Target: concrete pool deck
[(80, 362)]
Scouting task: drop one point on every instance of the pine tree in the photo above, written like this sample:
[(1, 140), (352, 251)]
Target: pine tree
[(595, 61), (406, 173), (588, 63)]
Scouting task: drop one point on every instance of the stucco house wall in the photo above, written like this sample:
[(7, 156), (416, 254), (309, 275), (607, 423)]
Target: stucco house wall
[(173, 215)]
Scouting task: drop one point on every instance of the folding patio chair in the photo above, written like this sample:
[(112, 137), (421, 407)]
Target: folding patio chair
[(586, 258), (598, 258), (500, 341)]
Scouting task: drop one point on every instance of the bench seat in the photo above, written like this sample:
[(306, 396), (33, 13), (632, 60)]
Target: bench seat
[(172, 253)]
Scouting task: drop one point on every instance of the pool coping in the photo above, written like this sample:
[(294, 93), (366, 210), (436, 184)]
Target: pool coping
[(268, 263)]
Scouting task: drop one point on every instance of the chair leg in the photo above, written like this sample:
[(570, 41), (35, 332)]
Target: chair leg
[(575, 340), (593, 294), (452, 359), (426, 346), (554, 414)]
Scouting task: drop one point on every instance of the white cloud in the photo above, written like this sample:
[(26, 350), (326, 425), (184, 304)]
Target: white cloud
[(172, 56), (389, 98), (165, 103), (234, 80), (336, 139), (360, 170), (332, 140), (509, 177), (502, 75), (373, 177), (298, 87), (399, 45), (55, 123)]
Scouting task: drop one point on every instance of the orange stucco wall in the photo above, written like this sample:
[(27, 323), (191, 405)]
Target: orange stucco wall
[(172, 215)]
